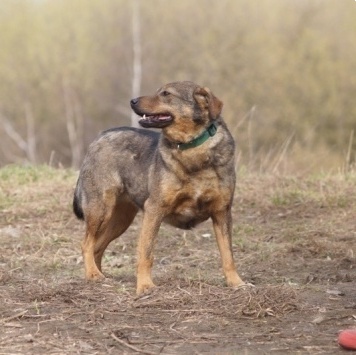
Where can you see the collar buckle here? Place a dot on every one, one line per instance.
(212, 130)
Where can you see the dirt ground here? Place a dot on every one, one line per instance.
(294, 240)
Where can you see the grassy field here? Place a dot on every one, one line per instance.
(294, 239)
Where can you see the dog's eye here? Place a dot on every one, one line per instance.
(165, 93)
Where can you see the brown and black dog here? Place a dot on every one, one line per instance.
(182, 176)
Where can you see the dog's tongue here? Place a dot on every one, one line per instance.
(164, 117)
(157, 117)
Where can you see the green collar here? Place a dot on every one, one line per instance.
(209, 132)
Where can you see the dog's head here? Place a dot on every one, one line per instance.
(178, 108)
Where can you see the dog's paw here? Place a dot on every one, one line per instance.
(234, 281)
(144, 288)
(245, 285)
(94, 276)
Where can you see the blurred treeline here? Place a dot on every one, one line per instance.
(285, 69)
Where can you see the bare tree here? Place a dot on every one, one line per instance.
(137, 63)
(27, 144)
(31, 135)
(74, 123)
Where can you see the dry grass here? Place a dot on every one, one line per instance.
(293, 239)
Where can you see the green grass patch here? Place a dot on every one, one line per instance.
(21, 175)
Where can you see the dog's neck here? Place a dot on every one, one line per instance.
(203, 137)
(196, 141)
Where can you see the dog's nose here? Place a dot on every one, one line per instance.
(133, 102)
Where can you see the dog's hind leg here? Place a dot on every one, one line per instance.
(92, 272)
(105, 223)
(122, 216)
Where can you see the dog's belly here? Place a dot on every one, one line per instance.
(185, 220)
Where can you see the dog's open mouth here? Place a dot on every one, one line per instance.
(158, 121)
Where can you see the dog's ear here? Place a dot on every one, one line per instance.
(206, 100)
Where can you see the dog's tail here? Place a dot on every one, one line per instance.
(77, 206)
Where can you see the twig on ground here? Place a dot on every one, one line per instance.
(132, 347)
(17, 315)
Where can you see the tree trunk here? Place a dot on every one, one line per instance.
(137, 65)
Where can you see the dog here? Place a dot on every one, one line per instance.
(182, 175)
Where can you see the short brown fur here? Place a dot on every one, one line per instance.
(129, 169)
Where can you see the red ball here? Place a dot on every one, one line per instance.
(347, 339)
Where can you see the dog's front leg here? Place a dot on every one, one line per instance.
(222, 223)
(150, 226)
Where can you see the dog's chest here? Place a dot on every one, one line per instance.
(195, 200)
(192, 205)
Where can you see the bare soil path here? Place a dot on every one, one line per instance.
(294, 239)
